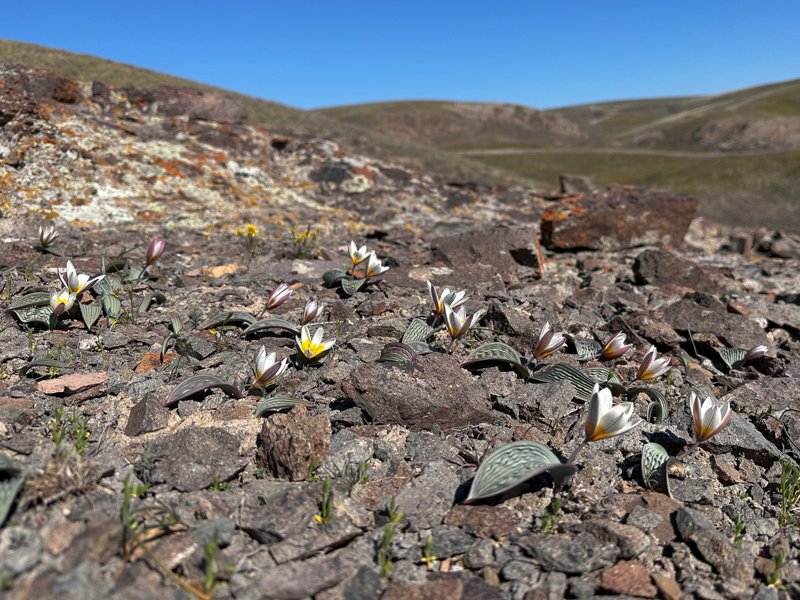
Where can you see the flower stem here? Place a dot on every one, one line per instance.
(575, 452)
(687, 451)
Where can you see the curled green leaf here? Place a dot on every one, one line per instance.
(198, 383)
(271, 324)
(512, 464)
(42, 362)
(279, 403)
(493, 353)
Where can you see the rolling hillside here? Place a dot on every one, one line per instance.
(356, 139)
(739, 152)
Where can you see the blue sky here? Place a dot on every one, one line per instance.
(542, 54)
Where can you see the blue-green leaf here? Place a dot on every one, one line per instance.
(198, 383)
(279, 403)
(496, 352)
(512, 464)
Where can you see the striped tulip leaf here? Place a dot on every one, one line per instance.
(351, 286)
(35, 314)
(493, 353)
(585, 349)
(271, 324)
(90, 313)
(42, 362)
(733, 357)
(561, 371)
(199, 383)
(513, 464)
(655, 461)
(280, 403)
(418, 331)
(333, 275)
(658, 409)
(228, 317)
(112, 306)
(397, 352)
(28, 300)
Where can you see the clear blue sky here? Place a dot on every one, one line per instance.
(542, 54)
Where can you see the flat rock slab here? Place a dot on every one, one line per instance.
(504, 248)
(71, 384)
(617, 218)
(662, 267)
(191, 458)
(702, 313)
(431, 390)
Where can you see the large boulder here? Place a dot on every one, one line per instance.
(617, 218)
(503, 248)
(431, 390)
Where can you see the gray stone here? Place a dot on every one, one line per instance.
(740, 437)
(659, 267)
(388, 328)
(630, 540)
(195, 347)
(366, 584)
(426, 500)
(728, 560)
(582, 554)
(191, 458)
(703, 313)
(688, 520)
(644, 519)
(222, 527)
(480, 555)
(20, 550)
(449, 541)
(279, 513)
(296, 580)
(504, 248)
(519, 568)
(314, 540)
(113, 340)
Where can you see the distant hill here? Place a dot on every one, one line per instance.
(460, 125)
(354, 138)
(739, 152)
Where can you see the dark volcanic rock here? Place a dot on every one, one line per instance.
(191, 458)
(618, 218)
(174, 101)
(431, 390)
(702, 313)
(278, 514)
(580, 555)
(295, 580)
(148, 415)
(504, 248)
(660, 267)
(289, 442)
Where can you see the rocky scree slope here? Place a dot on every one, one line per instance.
(306, 501)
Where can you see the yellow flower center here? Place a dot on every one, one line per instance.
(310, 349)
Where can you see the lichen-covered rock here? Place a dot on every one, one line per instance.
(289, 442)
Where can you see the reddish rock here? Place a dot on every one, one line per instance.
(195, 104)
(152, 360)
(617, 218)
(445, 589)
(504, 248)
(289, 442)
(71, 384)
(630, 578)
(432, 389)
(147, 416)
(482, 521)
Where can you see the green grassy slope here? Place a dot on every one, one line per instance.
(273, 114)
